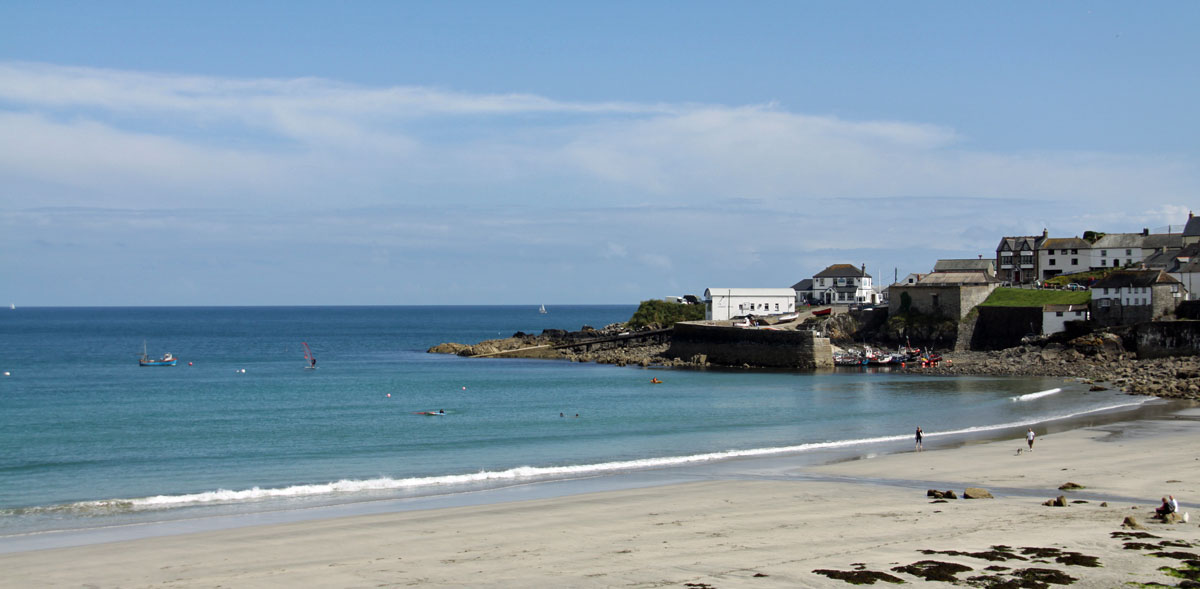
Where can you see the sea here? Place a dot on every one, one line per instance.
(240, 427)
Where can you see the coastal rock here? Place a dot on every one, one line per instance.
(1132, 523)
(1069, 486)
(976, 493)
(449, 348)
(1173, 518)
(1059, 501)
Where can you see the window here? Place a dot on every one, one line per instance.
(1105, 302)
(1129, 252)
(1064, 252)
(1074, 261)
(1052, 262)
(1116, 263)
(1106, 291)
(1103, 253)
(1058, 313)
(841, 282)
(1074, 252)
(776, 306)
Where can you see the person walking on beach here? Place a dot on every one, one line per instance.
(919, 447)
(1029, 438)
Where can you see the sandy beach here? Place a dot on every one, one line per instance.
(868, 515)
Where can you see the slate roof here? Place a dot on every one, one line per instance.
(1192, 229)
(1161, 260)
(842, 271)
(1020, 243)
(1134, 278)
(967, 264)
(1120, 241)
(805, 284)
(1163, 240)
(1065, 243)
(957, 279)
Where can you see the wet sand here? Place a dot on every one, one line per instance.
(869, 514)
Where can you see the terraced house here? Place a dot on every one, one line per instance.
(1125, 297)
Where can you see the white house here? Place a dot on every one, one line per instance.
(1055, 317)
(721, 304)
(844, 284)
(1063, 255)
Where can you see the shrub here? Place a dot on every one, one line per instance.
(664, 314)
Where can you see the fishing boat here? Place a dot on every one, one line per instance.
(310, 361)
(146, 360)
(542, 309)
(825, 311)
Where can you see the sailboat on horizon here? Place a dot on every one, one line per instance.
(542, 309)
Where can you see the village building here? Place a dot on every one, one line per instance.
(1016, 258)
(1125, 297)
(843, 284)
(946, 294)
(1063, 255)
(1129, 250)
(1055, 317)
(721, 304)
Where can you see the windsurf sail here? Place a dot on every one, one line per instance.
(308, 356)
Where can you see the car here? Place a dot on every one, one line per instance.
(1076, 286)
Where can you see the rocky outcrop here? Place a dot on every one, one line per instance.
(1093, 358)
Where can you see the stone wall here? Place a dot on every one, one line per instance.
(1003, 327)
(732, 346)
(1161, 339)
(951, 301)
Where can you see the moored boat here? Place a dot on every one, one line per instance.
(146, 360)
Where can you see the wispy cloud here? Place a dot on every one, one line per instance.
(500, 187)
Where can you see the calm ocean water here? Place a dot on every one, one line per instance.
(88, 438)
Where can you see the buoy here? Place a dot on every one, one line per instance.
(389, 395)
(189, 363)
(6, 373)
(464, 388)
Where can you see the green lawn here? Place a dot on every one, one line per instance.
(1025, 297)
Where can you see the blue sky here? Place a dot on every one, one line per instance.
(264, 153)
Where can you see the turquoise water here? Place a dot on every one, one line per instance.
(89, 438)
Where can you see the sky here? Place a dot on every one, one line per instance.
(163, 153)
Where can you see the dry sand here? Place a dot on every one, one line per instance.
(721, 533)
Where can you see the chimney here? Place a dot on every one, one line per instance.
(1145, 231)
(1045, 233)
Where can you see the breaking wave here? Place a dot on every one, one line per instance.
(517, 474)
(1037, 395)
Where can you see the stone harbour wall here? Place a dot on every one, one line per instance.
(732, 346)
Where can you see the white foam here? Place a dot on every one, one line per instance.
(520, 473)
(1037, 395)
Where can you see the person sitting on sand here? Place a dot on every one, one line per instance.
(1168, 506)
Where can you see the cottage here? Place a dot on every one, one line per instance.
(1063, 255)
(1125, 297)
(1055, 317)
(1126, 250)
(722, 304)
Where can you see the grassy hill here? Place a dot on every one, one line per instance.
(1025, 297)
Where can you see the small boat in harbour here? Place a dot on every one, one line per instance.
(146, 360)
